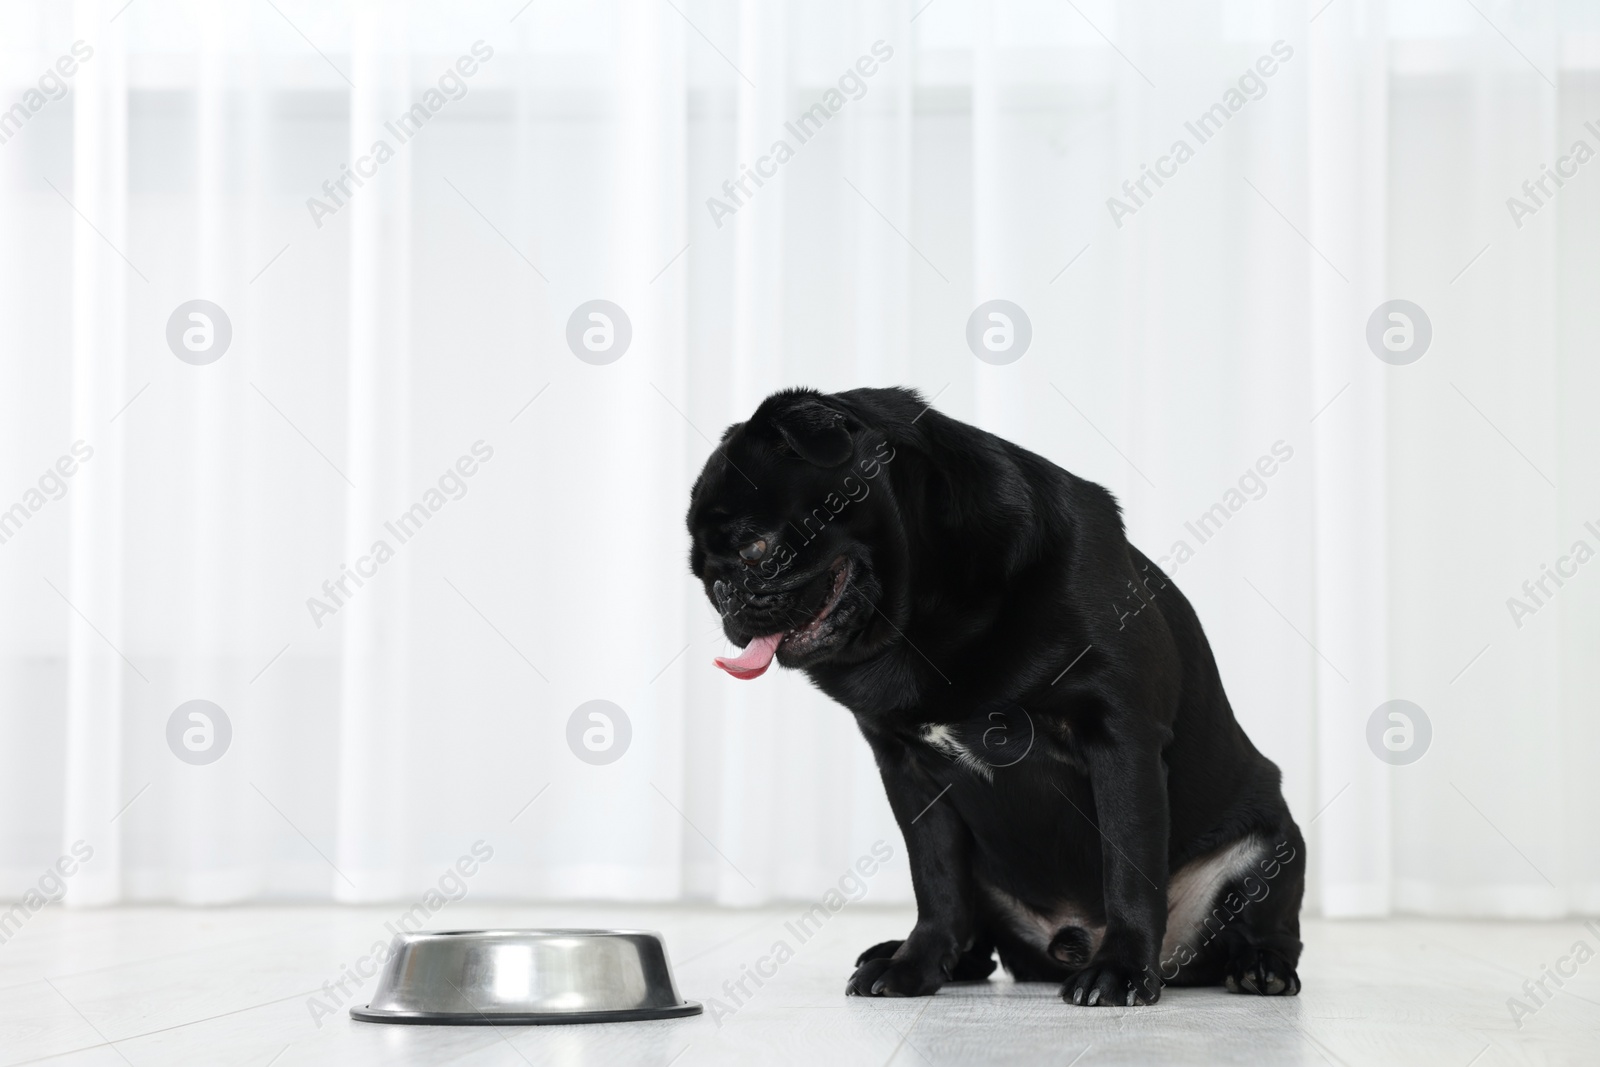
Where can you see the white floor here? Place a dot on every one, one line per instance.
(232, 986)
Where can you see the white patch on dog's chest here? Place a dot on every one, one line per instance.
(937, 735)
(942, 739)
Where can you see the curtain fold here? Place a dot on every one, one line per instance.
(98, 676)
(377, 760)
(1345, 412)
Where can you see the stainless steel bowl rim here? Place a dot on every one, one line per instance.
(525, 976)
(552, 1018)
(542, 931)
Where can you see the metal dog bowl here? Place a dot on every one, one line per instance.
(525, 977)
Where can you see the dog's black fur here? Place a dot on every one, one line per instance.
(1042, 703)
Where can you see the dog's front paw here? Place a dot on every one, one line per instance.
(884, 977)
(1107, 982)
(1260, 971)
(881, 951)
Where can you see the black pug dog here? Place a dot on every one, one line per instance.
(1046, 713)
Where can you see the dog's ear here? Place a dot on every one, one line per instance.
(816, 432)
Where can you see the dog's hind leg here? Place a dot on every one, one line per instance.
(1262, 950)
(1240, 927)
(1259, 951)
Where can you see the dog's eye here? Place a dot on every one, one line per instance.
(753, 552)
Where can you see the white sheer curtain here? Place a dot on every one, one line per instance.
(420, 320)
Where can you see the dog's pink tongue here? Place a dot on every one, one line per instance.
(754, 660)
